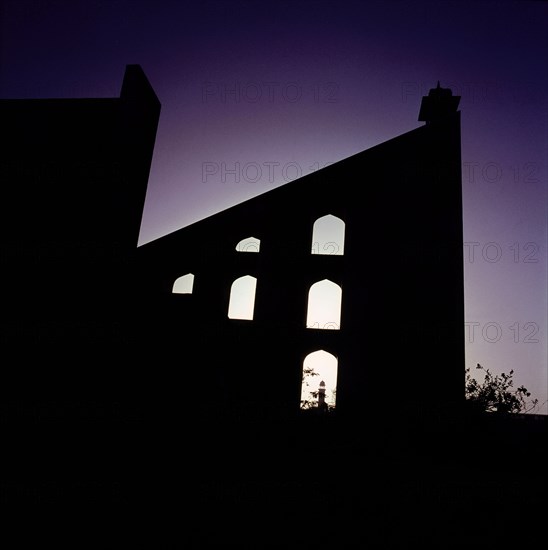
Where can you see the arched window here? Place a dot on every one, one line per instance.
(324, 305)
(319, 381)
(184, 284)
(242, 298)
(328, 236)
(251, 244)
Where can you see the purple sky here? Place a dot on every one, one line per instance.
(287, 87)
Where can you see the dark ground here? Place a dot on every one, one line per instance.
(120, 480)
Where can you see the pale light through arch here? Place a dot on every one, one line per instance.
(242, 298)
(250, 244)
(325, 366)
(184, 284)
(324, 305)
(328, 236)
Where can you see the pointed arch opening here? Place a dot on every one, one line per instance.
(319, 381)
(328, 236)
(184, 284)
(249, 244)
(242, 298)
(324, 306)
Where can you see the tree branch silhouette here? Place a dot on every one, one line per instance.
(496, 393)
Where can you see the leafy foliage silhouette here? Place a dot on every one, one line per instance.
(496, 393)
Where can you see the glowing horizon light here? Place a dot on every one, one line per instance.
(242, 298)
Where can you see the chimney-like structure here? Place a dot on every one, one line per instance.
(321, 396)
(439, 103)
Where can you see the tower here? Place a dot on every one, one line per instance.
(321, 397)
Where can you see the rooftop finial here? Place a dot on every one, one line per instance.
(439, 103)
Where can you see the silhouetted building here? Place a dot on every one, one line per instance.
(74, 175)
(395, 265)
(76, 171)
(140, 379)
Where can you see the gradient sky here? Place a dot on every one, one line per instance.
(255, 94)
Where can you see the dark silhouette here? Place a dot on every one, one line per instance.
(401, 277)
(496, 393)
(123, 395)
(74, 178)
